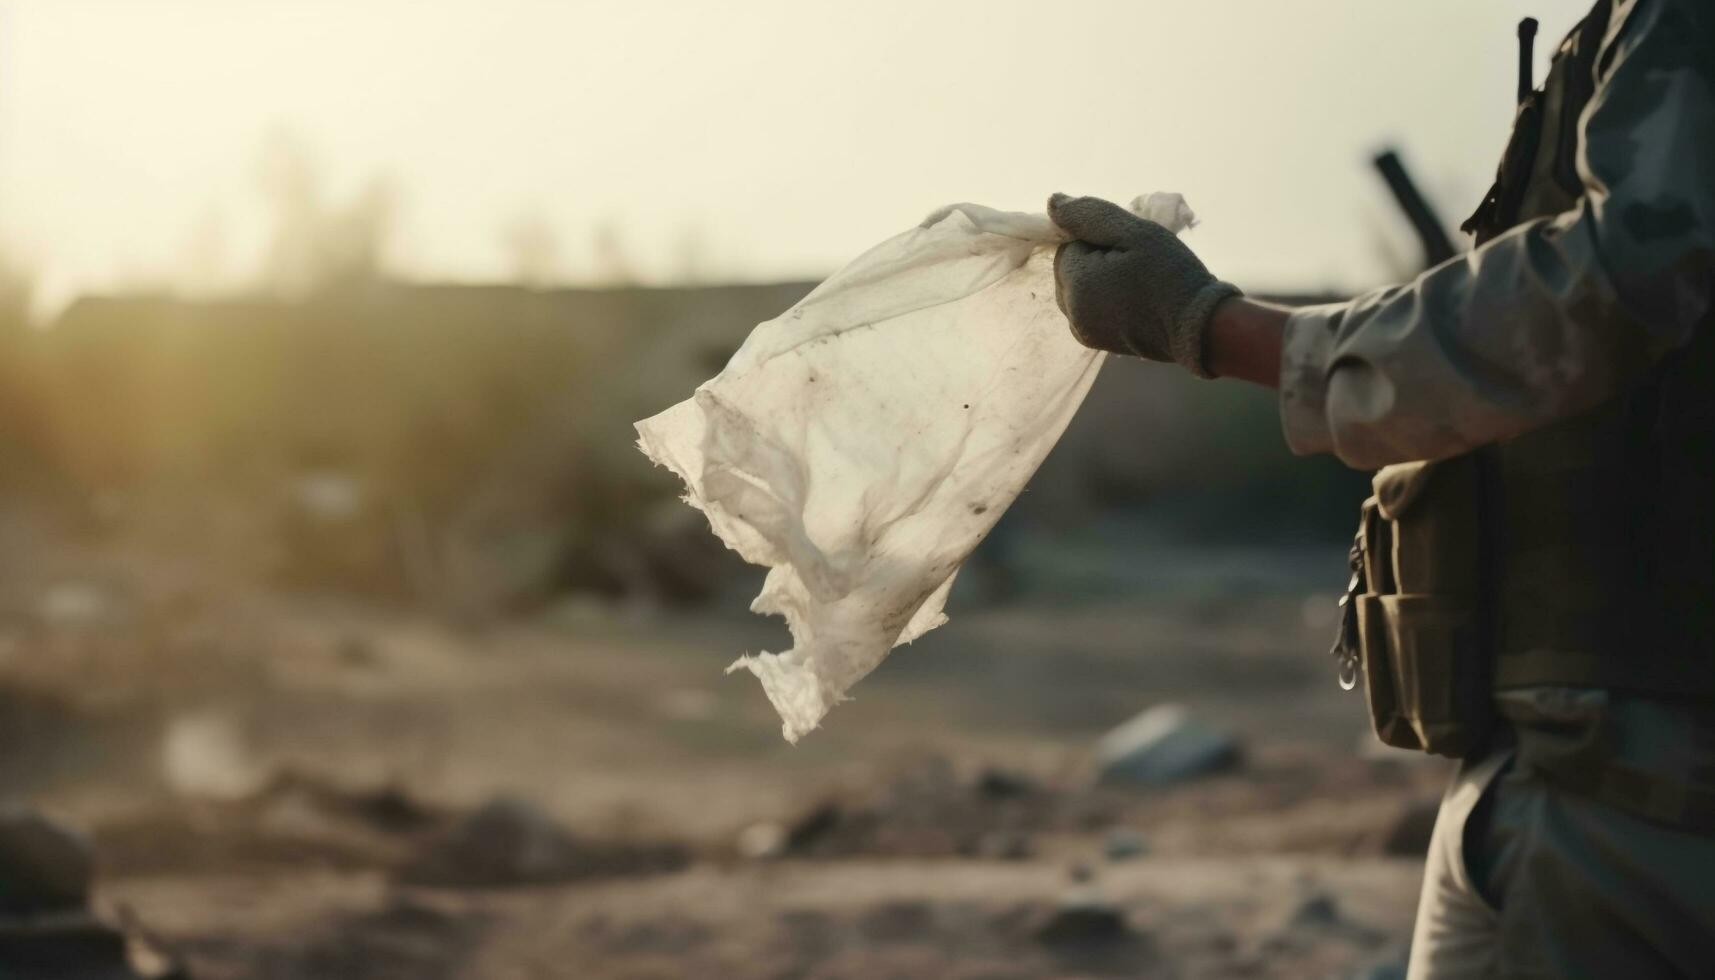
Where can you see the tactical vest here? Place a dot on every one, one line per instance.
(1581, 554)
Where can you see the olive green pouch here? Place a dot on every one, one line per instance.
(1426, 667)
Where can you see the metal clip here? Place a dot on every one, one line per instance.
(1345, 648)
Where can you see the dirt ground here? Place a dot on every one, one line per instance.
(298, 786)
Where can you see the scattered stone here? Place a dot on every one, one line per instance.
(207, 754)
(1123, 844)
(1317, 911)
(77, 944)
(296, 817)
(1318, 918)
(388, 808)
(1164, 744)
(65, 945)
(44, 866)
(1081, 921)
(928, 810)
(1000, 784)
(762, 841)
(812, 826)
(503, 842)
(147, 954)
(510, 842)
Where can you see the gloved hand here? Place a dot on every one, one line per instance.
(1131, 286)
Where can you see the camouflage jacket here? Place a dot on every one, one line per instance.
(1556, 315)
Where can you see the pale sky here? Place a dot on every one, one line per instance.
(770, 138)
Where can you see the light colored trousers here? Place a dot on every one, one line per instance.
(1540, 882)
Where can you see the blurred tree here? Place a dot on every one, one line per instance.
(316, 245)
(206, 256)
(21, 415)
(612, 265)
(533, 250)
(692, 255)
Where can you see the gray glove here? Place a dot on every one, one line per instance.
(1131, 286)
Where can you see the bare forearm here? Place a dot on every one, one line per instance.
(1243, 341)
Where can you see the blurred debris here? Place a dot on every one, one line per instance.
(387, 808)
(77, 946)
(511, 842)
(761, 841)
(208, 754)
(1164, 744)
(929, 810)
(293, 819)
(47, 873)
(1082, 919)
(44, 866)
(808, 830)
(1317, 919)
(1316, 912)
(1123, 844)
(333, 530)
(148, 955)
(1002, 784)
(503, 842)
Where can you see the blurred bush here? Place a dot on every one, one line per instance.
(471, 446)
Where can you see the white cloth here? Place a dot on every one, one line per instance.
(863, 443)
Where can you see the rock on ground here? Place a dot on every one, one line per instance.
(1164, 744)
(44, 866)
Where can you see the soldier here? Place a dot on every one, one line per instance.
(1534, 581)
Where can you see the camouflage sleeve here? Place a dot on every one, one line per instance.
(1554, 316)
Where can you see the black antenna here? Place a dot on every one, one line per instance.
(1437, 247)
(1526, 57)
